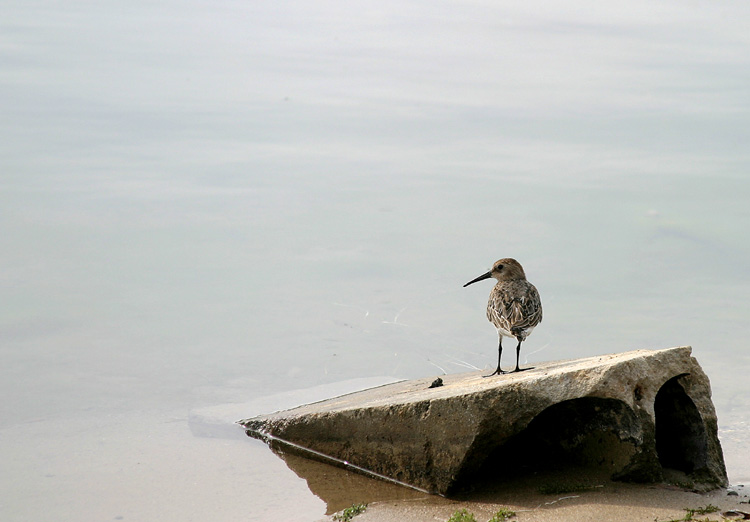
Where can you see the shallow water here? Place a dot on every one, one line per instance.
(216, 204)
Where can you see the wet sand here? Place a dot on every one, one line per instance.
(608, 502)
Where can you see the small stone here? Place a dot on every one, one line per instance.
(437, 383)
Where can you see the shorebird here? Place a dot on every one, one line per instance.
(514, 306)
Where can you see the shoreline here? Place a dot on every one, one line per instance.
(609, 501)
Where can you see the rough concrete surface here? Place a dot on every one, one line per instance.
(640, 416)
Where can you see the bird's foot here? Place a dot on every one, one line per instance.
(496, 372)
(522, 369)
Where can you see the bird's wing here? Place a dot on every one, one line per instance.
(531, 308)
(496, 313)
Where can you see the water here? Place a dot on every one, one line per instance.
(206, 207)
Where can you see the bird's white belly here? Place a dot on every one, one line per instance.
(505, 333)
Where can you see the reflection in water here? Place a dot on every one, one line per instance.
(340, 488)
(284, 446)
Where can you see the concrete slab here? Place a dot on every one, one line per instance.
(644, 415)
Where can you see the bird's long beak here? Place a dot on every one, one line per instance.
(480, 278)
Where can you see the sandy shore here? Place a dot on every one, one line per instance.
(609, 501)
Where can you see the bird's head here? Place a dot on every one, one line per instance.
(506, 269)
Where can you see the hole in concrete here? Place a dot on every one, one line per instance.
(681, 440)
(590, 432)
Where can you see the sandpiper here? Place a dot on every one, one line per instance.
(514, 306)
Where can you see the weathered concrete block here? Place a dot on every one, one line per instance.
(635, 414)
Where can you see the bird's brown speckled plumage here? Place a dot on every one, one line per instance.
(514, 306)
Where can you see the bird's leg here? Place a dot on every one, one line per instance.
(499, 356)
(518, 354)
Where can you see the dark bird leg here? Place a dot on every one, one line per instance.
(518, 354)
(499, 355)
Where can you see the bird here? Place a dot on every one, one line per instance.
(514, 307)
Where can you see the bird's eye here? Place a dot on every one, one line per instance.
(499, 267)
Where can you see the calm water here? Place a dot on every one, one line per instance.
(207, 207)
